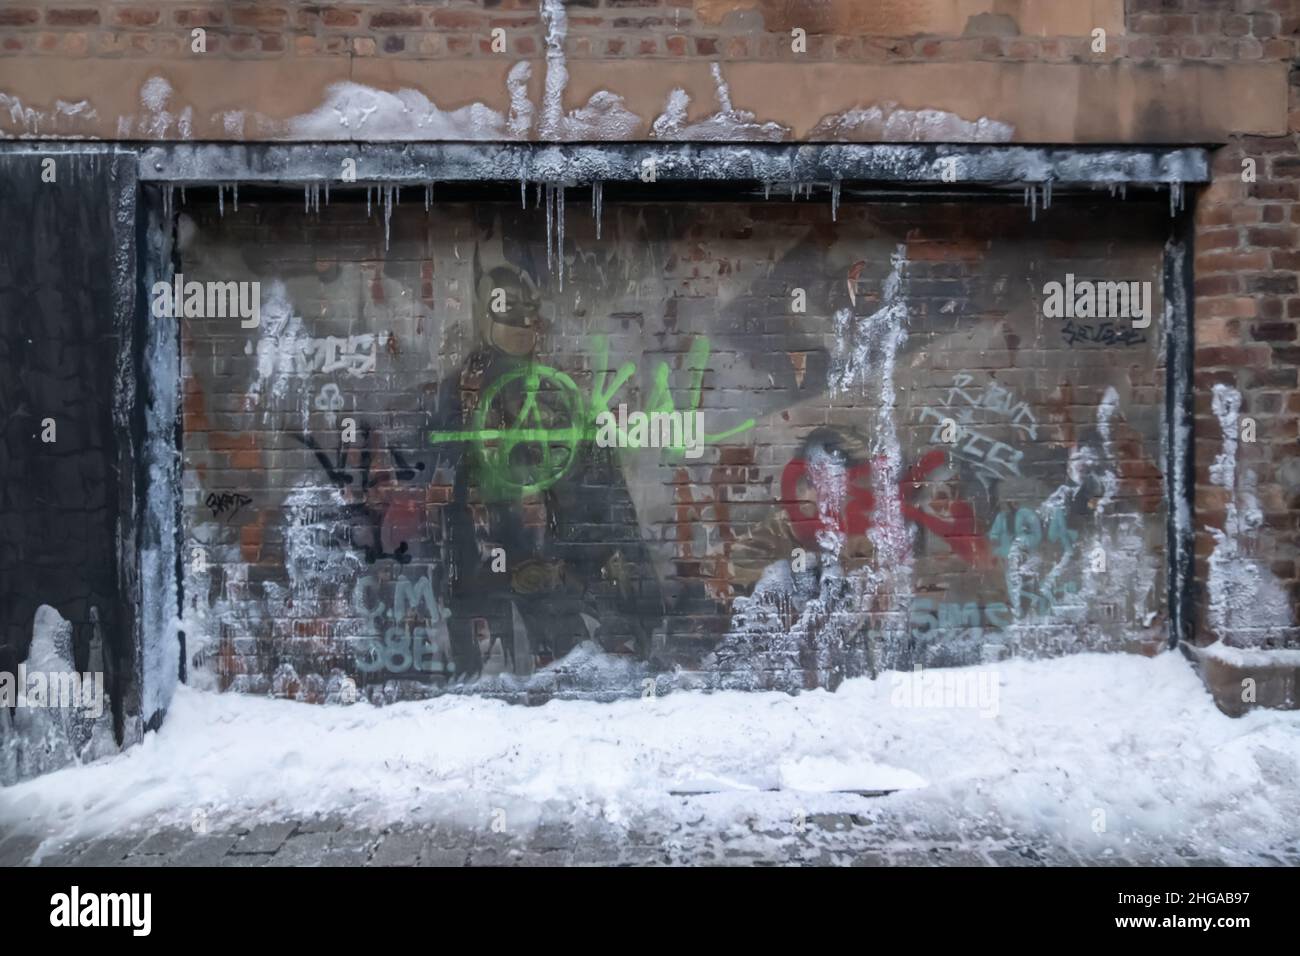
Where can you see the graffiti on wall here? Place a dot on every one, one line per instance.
(662, 466)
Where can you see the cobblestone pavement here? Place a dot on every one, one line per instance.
(837, 839)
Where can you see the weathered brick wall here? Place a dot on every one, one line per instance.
(1171, 71)
(1216, 72)
(374, 559)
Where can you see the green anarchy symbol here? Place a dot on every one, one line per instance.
(540, 445)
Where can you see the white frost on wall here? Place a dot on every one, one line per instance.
(725, 125)
(354, 111)
(888, 123)
(38, 739)
(1245, 599)
(796, 620)
(520, 120)
(557, 71)
(64, 118)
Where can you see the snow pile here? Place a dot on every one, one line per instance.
(1137, 739)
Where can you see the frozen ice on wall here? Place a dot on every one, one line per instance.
(37, 738)
(891, 124)
(727, 124)
(794, 622)
(557, 71)
(64, 119)
(1246, 602)
(354, 111)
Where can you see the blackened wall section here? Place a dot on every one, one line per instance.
(59, 349)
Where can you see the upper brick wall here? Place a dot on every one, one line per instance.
(1171, 70)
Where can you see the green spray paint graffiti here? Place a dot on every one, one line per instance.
(547, 418)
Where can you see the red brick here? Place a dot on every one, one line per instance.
(71, 16)
(19, 17)
(260, 16)
(396, 20)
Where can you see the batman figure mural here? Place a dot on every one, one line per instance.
(532, 495)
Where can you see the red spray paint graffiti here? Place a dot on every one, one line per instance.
(957, 529)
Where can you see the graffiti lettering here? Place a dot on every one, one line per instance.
(226, 501)
(422, 647)
(384, 521)
(356, 355)
(1027, 528)
(992, 458)
(553, 418)
(1103, 333)
(995, 397)
(958, 529)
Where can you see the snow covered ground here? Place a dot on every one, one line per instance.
(1091, 752)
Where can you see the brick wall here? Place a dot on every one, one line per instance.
(374, 558)
(1217, 72)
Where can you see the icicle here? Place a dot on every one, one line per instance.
(523, 193)
(1175, 198)
(367, 202)
(1031, 200)
(538, 200)
(794, 186)
(306, 197)
(167, 199)
(597, 201)
(327, 192)
(835, 200)
(1123, 190)
(221, 202)
(388, 212)
(182, 195)
(559, 230)
(767, 189)
(550, 222)
(428, 195)
(1047, 194)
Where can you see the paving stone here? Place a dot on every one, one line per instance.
(434, 855)
(552, 836)
(321, 824)
(204, 850)
(109, 852)
(399, 848)
(263, 838)
(17, 849)
(304, 849)
(832, 821)
(543, 858)
(165, 841)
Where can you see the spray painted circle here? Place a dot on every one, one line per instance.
(538, 446)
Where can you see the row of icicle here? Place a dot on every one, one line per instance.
(552, 196)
